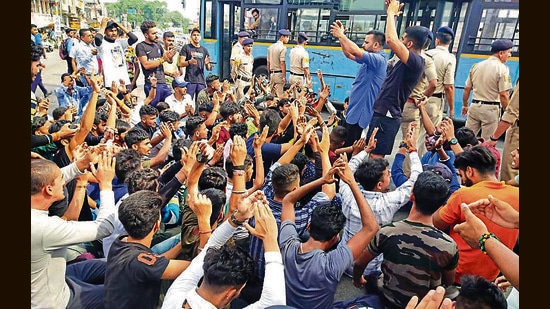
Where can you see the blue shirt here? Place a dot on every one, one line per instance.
(65, 99)
(365, 87)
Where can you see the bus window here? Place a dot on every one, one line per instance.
(264, 25)
(459, 27)
(262, 1)
(362, 5)
(495, 24)
(307, 20)
(208, 21)
(359, 25)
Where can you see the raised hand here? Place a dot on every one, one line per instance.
(237, 151)
(497, 211)
(259, 140)
(105, 171)
(200, 204)
(432, 300)
(324, 144)
(266, 226)
(471, 229)
(358, 145)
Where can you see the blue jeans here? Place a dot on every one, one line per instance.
(85, 280)
(163, 91)
(193, 89)
(167, 244)
(387, 130)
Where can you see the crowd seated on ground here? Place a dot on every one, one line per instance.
(259, 199)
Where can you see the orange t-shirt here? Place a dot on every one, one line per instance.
(473, 261)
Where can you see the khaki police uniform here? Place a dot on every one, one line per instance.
(243, 70)
(511, 141)
(299, 60)
(445, 67)
(276, 53)
(236, 50)
(487, 78)
(410, 110)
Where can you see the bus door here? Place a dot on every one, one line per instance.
(229, 21)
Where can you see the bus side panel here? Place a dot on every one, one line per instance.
(465, 62)
(211, 46)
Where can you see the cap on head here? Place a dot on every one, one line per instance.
(303, 35)
(244, 34)
(111, 24)
(248, 41)
(445, 29)
(501, 44)
(284, 32)
(440, 169)
(179, 82)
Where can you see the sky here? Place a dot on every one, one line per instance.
(192, 7)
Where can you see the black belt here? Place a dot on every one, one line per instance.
(438, 95)
(486, 102)
(273, 72)
(297, 74)
(243, 78)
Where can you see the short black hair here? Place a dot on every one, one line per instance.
(378, 36)
(229, 265)
(478, 157)
(478, 292)
(58, 112)
(210, 78)
(369, 172)
(326, 222)
(213, 177)
(430, 192)
(139, 212)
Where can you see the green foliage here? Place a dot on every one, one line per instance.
(146, 10)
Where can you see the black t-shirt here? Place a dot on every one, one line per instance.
(133, 276)
(153, 52)
(194, 73)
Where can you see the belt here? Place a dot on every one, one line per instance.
(485, 102)
(438, 95)
(273, 72)
(291, 73)
(246, 79)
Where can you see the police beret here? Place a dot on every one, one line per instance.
(284, 32)
(243, 34)
(445, 29)
(303, 35)
(430, 34)
(501, 44)
(247, 41)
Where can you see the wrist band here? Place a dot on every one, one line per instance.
(238, 173)
(238, 167)
(444, 160)
(492, 138)
(234, 220)
(238, 192)
(205, 232)
(484, 238)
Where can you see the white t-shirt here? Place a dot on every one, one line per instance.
(113, 61)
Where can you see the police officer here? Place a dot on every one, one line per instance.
(509, 123)
(244, 64)
(236, 50)
(445, 66)
(490, 81)
(276, 62)
(299, 63)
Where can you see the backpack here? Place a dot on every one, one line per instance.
(63, 51)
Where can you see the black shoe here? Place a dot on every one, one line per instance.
(47, 94)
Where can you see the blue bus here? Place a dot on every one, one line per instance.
(476, 24)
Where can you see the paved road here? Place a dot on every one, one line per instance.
(51, 76)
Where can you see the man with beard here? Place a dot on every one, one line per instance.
(152, 56)
(476, 167)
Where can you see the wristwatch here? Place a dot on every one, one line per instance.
(453, 141)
